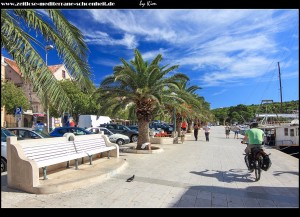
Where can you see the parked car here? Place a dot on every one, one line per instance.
(133, 127)
(117, 138)
(118, 128)
(152, 132)
(161, 126)
(4, 134)
(28, 133)
(60, 131)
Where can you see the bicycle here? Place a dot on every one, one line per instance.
(257, 160)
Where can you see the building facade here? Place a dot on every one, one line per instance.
(3, 65)
(11, 72)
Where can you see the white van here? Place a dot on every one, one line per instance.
(86, 121)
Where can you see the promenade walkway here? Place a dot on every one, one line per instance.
(194, 174)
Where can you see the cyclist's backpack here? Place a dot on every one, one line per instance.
(266, 163)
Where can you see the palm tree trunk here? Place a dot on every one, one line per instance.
(189, 127)
(178, 127)
(143, 133)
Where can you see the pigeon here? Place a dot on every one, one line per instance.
(130, 179)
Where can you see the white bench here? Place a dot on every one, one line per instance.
(25, 157)
(48, 153)
(91, 147)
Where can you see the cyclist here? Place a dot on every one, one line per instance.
(254, 137)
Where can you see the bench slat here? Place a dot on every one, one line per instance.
(95, 151)
(53, 153)
(58, 160)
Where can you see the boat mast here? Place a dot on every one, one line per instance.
(280, 88)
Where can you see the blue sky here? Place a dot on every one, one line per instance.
(231, 54)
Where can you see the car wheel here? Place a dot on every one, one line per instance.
(120, 142)
(3, 165)
(134, 138)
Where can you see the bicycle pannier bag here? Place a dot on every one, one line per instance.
(266, 163)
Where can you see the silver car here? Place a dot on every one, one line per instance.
(117, 138)
(4, 134)
(28, 133)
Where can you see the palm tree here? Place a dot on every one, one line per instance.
(68, 40)
(191, 106)
(141, 85)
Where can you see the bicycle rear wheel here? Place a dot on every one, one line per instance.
(257, 170)
(247, 162)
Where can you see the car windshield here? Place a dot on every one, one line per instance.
(5, 133)
(127, 128)
(107, 132)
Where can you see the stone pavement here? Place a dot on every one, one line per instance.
(193, 174)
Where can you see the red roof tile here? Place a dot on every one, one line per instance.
(54, 68)
(14, 66)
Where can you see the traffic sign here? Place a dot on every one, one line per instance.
(18, 110)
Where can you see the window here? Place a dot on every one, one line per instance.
(286, 131)
(110, 127)
(63, 74)
(292, 132)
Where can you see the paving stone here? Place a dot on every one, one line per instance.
(193, 174)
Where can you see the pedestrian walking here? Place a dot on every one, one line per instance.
(71, 122)
(196, 128)
(227, 131)
(236, 130)
(206, 129)
(183, 126)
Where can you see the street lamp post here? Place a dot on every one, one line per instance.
(174, 121)
(47, 48)
(175, 141)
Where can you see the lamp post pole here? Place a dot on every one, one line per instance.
(175, 141)
(47, 48)
(174, 122)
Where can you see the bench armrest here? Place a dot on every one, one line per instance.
(109, 144)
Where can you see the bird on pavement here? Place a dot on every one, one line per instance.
(130, 179)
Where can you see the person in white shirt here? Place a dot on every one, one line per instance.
(206, 129)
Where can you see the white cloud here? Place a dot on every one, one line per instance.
(150, 55)
(289, 75)
(219, 93)
(102, 38)
(218, 46)
(106, 62)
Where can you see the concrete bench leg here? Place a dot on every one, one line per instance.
(90, 158)
(108, 154)
(76, 164)
(45, 173)
(68, 164)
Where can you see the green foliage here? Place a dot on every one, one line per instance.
(140, 84)
(140, 87)
(81, 102)
(56, 30)
(242, 113)
(12, 97)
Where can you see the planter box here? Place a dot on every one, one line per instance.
(161, 140)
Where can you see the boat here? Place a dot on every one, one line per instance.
(279, 134)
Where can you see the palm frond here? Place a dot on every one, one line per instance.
(76, 63)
